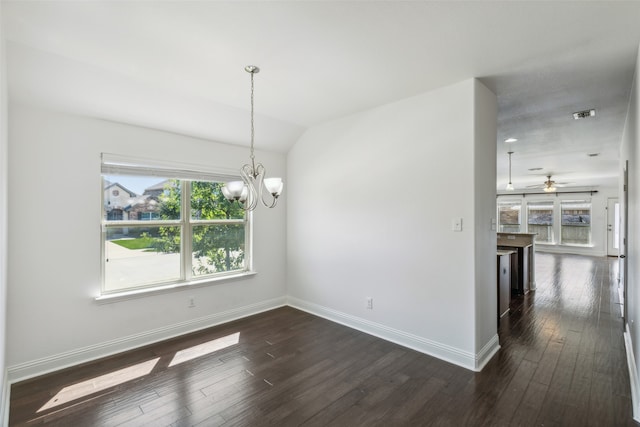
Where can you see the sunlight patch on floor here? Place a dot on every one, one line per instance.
(94, 385)
(205, 348)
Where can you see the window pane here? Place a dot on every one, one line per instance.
(509, 216)
(540, 220)
(576, 221)
(133, 198)
(208, 202)
(218, 248)
(141, 256)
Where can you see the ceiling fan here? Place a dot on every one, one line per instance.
(549, 185)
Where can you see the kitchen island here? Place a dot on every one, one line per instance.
(522, 262)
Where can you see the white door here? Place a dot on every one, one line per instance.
(613, 227)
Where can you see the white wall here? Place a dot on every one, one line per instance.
(484, 194)
(4, 390)
(598, 199)
(629, 152)
(371, 201)
(54, 243)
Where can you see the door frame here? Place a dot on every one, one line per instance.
(613, 227)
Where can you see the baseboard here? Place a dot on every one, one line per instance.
(633, 375)
(573, 250)
(441, 351)
(487, 352)
(6, 399)
(56, 362)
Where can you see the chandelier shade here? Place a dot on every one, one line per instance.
(254, 186)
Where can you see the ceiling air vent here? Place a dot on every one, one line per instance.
(584, 114)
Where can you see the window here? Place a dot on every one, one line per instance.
(148, 216)
(540, 220)
(168, 227)
(576, 222)
(509, 216)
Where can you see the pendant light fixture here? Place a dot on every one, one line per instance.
(254, 184)
(509, 185)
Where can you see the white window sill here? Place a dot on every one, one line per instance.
(138, 293)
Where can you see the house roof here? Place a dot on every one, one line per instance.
(122, 187)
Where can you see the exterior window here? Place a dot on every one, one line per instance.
(576, 222)
(163, 230)
(148, 216)
(509, 216)
(540, 220)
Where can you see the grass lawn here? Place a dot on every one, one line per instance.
(139, 243)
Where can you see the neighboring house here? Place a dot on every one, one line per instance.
(159, 188)
(116, 199)
(122, 204)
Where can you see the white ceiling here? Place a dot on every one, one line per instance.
(178, 66)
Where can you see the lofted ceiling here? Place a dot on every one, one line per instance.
(179, 66)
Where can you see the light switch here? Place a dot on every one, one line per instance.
(456, 224)
(493, 224)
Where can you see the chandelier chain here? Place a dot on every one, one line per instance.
(252, 127)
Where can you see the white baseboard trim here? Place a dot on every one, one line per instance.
(633, 375)
(574, 250)
(56, 362)
(487, 352)
(6, 399)
(445, 352)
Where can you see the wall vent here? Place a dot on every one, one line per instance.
(584, 114)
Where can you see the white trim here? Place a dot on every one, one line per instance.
(633, 375)
(487, 352)
(56, 362)
(459, 357)
(568, 249)
(180, 286)
(6, 399)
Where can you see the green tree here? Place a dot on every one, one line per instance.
(218, 247)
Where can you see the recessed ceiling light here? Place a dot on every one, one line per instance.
(535, 169)
(511, 140)
(584, 114)
(593, 154)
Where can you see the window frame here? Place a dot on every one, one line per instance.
(552, 204)
(507, 202)
(186, 174)
(562, 224)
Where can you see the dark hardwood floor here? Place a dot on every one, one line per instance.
(562, 363)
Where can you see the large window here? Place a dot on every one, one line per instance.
(540, 220)
(576, 222)
(509, 216)
(163, 227)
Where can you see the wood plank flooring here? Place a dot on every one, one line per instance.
(562, 363)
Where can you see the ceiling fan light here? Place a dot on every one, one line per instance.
(549, 189)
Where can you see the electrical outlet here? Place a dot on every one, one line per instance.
(369, 303)
(192, 302)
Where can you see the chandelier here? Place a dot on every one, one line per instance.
(254, 185)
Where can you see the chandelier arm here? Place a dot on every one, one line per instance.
(249, 181)
(259, 173)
